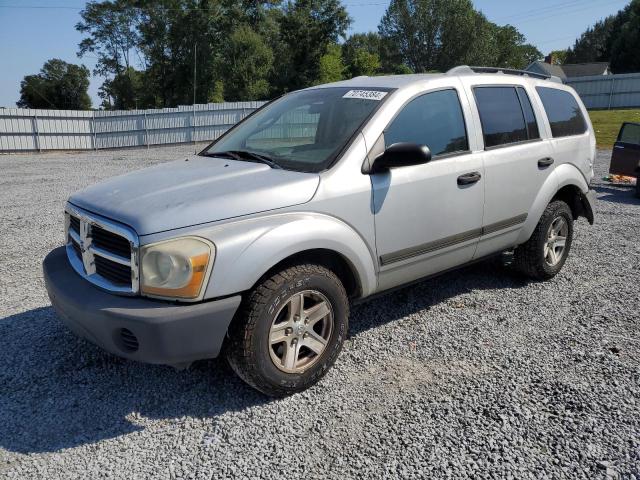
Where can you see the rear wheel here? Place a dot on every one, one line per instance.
(544, 254)
(292, 330)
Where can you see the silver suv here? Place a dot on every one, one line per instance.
(256, 246)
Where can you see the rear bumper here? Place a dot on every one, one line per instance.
(166, 333)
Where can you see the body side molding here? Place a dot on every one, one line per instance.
(450, 241)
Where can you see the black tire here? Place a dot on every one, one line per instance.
(529, 258)
(249, 351)
(638, 186)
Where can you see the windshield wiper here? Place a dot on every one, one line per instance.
(246, 155)
(231, 155)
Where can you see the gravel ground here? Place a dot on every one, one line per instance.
(477, 373)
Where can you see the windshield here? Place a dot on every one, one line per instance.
(301, 131)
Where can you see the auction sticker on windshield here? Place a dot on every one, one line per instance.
(365, 94)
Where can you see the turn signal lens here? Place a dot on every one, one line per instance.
(175, 268)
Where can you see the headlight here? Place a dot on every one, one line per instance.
(175, 268)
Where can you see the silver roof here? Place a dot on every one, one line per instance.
(399, 81)
(384, 81)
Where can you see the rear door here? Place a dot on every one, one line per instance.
(625, 159)
(517, 162)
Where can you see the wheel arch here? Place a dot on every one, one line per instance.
(246, 257)
(330, 259)
(573, 196)
(566, 183)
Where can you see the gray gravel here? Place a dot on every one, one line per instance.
(474, 374)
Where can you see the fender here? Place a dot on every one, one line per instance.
(563, 175)
(246, 250)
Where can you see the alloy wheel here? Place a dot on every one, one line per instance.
(556, 241)
(300, 331)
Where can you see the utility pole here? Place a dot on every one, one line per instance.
(195, 65)
(195, 77)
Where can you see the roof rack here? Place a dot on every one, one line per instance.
(505, 71)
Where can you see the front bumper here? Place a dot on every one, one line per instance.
(165, 333)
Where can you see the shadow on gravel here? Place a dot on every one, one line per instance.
(622, 194)
(59, 391)
(486, 275)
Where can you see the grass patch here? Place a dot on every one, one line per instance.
(607, 124)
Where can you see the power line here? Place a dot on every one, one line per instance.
(572, 11)
(553, 7)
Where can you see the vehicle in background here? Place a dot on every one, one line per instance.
(625, 159)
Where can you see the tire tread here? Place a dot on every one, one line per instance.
(527, 258)
(239, 352)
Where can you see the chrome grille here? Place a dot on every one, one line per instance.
(102, 251)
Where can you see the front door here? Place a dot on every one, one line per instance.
(428, 217)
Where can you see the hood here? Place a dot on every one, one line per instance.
(194, 191)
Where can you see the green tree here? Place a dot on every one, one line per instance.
(511, 51)
(217, 94)
(615, 39)
(428, 35)
(625, 41)
(331, 68)
(181, 39)
(59, 85)
(593, 44)
(559, 57)
(246, 66)
(307, 28)
(178, 35)
(125, 91)
(361, 54)
(111, 29)
(172, 42)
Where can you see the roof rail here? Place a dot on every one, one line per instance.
(506, 71)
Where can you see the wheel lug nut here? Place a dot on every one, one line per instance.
(305, 335)
(288, 331)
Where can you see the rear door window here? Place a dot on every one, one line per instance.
(435, 120)
(501, 115)
(630, 134)
(563, 111)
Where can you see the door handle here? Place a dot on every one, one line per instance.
(469, 178)
(545, 162)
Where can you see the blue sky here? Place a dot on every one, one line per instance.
(30, 36)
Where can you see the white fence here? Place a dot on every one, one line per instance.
(37, 130)
(608, 91)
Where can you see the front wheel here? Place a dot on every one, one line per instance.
(291, 331)
(544, 254)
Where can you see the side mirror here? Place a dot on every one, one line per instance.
(401, 155)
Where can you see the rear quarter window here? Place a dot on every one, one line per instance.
(563, 112)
